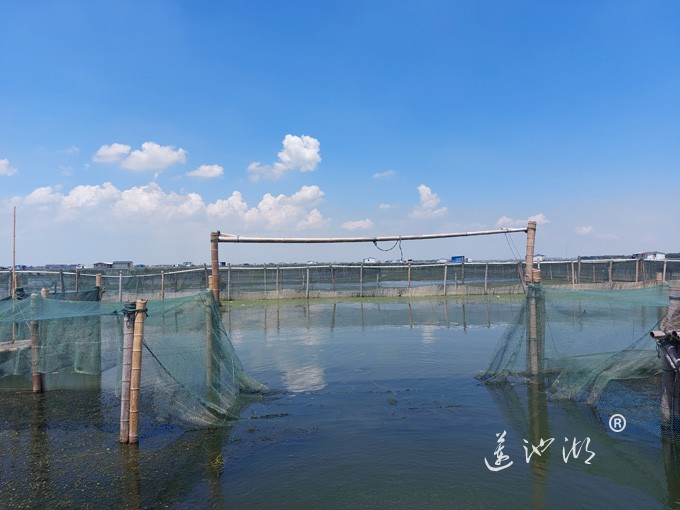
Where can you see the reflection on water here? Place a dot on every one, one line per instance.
(380, 410)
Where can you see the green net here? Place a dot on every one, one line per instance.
(591, 347)
(191, 374)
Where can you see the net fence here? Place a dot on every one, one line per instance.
(346, 280)
(191, 373)
(588, 346)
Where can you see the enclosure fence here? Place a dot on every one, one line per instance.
(269, 281)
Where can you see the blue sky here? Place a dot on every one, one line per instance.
(130, 130)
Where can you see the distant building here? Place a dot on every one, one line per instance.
(539, 258)
(122, 264)
(102, 265)
(650, 255)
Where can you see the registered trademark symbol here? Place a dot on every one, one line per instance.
(617, 423)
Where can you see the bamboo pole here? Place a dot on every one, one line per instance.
(14, 252)
(77, 280)
(611, 271)
(233, 238)
(307, 284)
(35, 349)
(136, 369)
(120, 286)
(361, 280)
(229, 282)
(128, 332)
(446, 270)
(215, 263)
(409, 275)
(486, 278)
(531, 242)
(98, 284)
(162, 284)
(61, 278)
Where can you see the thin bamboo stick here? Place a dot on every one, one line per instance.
(35, 349)
(215, 263)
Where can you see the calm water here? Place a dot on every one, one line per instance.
(379, 409)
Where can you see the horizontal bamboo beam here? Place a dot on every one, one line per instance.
(14, 346)
(233, 238)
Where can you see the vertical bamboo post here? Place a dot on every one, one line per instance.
(61, 278)
(264, 277)
(228, 282)
(13, 285)
(446, 270)
(128, 332)
(409, 275)
(307, 284)
(136, 369)
(611, 271)
(531, 242)
(162, 284)
(278, 288)
(579, 278)
(462, 271)
(215, 263)
(333, 275)
(573, 275)
(486, 278)
(208, 348)
(664, 270)
(98, 284)
(35, 349)
(77, 280)
(361, 280)
(637, 270)
(120, 286)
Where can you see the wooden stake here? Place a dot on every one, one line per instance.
(128, 331)
(215, 261)
(136, 369)
(162, 284)
(35, 349)
(531, 241)
(98, 284)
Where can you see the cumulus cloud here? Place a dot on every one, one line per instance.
(386, 206)
(507, 222)
(105, 203)
(584, 231)
(357, 225)
(298, 153)
(151, 156)
(111, 153)
(42, 196)
(152, 200)
(384, 175)
(427, 208)
(207, 172)
(276, 212)
(5, 169)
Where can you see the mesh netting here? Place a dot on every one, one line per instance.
(588, 346)
(190, 371)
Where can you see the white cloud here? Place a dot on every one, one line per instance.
(70, 150)
(150, 157)
(384, 175)
(299, 153)
(357, 225)
(584, 231)
(42, 196)
(207, 172)
(153, 157)
(275, 212)
(152, 200)
(507, 222)
(85, 196)
(111, 153)
(5, 169)
(428, 205)
(386, 206)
